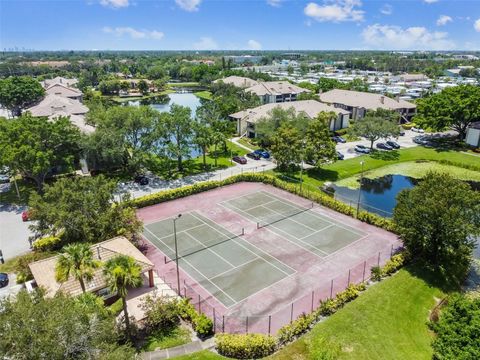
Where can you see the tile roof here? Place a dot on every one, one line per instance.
(365, 100)
(56, 104)
(238, 81)
(44, 270)
(275, 88)
(62, 90)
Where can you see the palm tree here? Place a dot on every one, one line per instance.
(122, 272)
(76, 260)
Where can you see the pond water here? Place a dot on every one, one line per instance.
(379, 195)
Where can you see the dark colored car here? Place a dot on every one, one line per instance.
(254, 156)
(383, 146)
(240, 160)
(393, 144)
(362, 149)
(339, 139)
(141, 179)
(3, 280)
(263, 153)
(402, 132)
(340, 156)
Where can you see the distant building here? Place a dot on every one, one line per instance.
(413, 77)
(276, 91)
(247, 119)
(64, 91)
(244, 59)
(238, 81)
(357, 103)
(58, 80)
(473, 134)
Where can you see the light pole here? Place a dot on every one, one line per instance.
(301, 165)
(360, 189)
(176, 251)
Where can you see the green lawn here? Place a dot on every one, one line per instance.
(207, 95)
(201, 355)
(121, 99)
(183, 84)
(164, 340)
(248, 143)
(347, 168)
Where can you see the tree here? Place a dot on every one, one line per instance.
(122, 272)
(287, 146)
(373, 128)
(202, 137)
(456, 108)
(437, 221)
(76, 260)
(319, 147)
(83, 210)
(35, 147)
(18, 92)
(143, 87)
(179, 126)
(58, 328)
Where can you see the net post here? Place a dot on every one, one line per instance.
(331, 290)
(291, 314)
(391, 251)
(214, 320)
(258, 225)
(223, 323)
(348, 281)
(378, 261)
(165, 259)
(246, 326)
(185, 292)
(243, 231)
(364, 268)
(313, 296)
(269, 324)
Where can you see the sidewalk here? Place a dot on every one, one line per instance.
(179, 350)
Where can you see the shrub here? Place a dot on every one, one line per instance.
(327, 307)
(202, 325)
(392, 265)
(47, 243)
(249, 346)
(160, 313)
(289, 332)
(376, 273)
(186, 310)
(408, 126)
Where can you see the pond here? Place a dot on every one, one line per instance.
(379, 195)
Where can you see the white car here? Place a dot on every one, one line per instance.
(417, 130)
(4, 179)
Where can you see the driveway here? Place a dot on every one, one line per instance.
(14, 232)
(12, 288)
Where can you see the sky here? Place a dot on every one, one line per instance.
(240, 24)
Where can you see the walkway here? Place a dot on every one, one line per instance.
(235, 141)
(179, 350)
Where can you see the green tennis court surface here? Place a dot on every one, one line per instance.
(228, 267)
(307, 229)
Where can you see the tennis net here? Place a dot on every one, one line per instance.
(275, 218)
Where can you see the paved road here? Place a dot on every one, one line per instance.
(14, 232)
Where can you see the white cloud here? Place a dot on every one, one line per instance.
(335, 10)
(430, 1)
(476, 26)
(274, 3)
(254, 45)
(134, 33)
(115, 3)
(413, 38)
(443, 20)
(188, 5)
(387, 9)
(205, 43)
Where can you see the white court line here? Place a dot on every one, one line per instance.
(320, 216)
(290, 218)
(209, 249)
(236, 267)
(181, 231)
(273, 232)
(316, 232)
(235, 240)
(206, 278)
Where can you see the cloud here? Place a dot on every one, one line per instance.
(205, 43)
(188, 5)
(443, 20)
(274, 3)
(335, 11)
(133, 33)
(476, 25)
(115, 3)
(413, 38)
(387, 9)
(430, 1)
(254, 45)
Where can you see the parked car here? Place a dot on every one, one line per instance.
(240, 160)
(254, 156)
(417, 130)
(141, 180)
(362, 149)
(26, 215)
(4, 179)
(339, 139)
(263, 153)
(3, 280)
(393, 144)
(420, 140)
(340, 156)
(402, 132)
(383, 146)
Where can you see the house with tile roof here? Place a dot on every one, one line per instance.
(276, 91)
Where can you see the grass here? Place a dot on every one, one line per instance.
(164, 340)
(207, 95)
(347, 168)
(248, 143)
(201, 355)
(413, 169)
(117, 307)
(183, 84)
(121, 99)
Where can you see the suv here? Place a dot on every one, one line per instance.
(3, 280)
(384, 146)
(253, 156)
(263, 153)
(362, 149)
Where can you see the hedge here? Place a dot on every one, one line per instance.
(390, 267)
(318, 197)
(47, 243)
(200, 322)
(249, 346)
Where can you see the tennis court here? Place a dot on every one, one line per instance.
(313, 232)
(221, 261)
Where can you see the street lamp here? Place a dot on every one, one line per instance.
(360, 188)
(176, 250)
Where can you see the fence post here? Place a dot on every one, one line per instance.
(291, 314)
(199, 305)
(313, 295)
(269, 323)
(364, 268)
(185, 292)
(214, 320)
(378, 261)
(223, 323)
(331, 290)
(246, 326)
(348, 281)
(391, 251)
